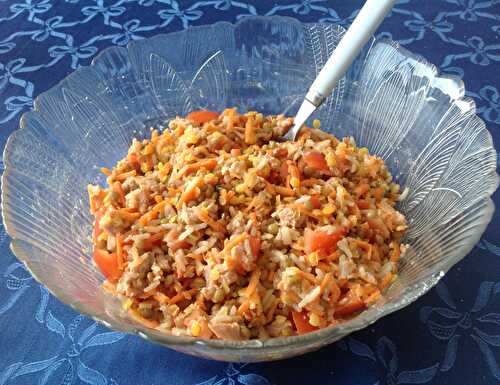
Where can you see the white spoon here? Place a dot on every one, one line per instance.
(360, 31)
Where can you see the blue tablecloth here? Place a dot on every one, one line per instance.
(451, 336)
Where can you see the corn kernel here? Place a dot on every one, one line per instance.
(190, 158)
(238, 200)
(314, 320)
(126, 304)
(192, 138)
(331, 161)
(102, 237)
(160, 166)
(214, 274)
(363, 151)
(313, 259)
(329, 209)
(210, 179)
(241, 188)
(295, 182)
(341, 146)
(195, 329)
(316, 123)
(148, 149)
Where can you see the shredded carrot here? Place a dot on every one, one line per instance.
(251, 205)
(255, 300)
(208, 164)
(378, 193)
(325, 282)
(311, 182)
(153, 240)
(294, 174)
(334, 257)
(229, 113)
(128, 216)
(182, 295)
(373, 297)
(335, 293)
(270, 312)
(252, 284)
(165, 171)
(310, 277)
(191, 192)
(106, 171)
(362, 189)
(162, 298)
(386, 281)
(125, 175)
(204, 217)
(275, 190)
(152, 214)
(367, 247)
(396, 253)
(363, 205)
(244, 307)
(375, 253)
(96, 200)
(303, 210)
(148, 294)
(233, 242)
(133, 157)
(119, 250)
(148, 149)
(326, 268)
(117, 187)
(250, 135)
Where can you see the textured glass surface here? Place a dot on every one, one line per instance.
(391, 101)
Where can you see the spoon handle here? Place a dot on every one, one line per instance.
(360, 31)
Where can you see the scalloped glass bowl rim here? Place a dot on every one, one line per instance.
(305, 340)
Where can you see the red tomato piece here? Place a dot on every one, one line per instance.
(316, 160)
(302, 323)
(108, 264)
(201, 117)
(322, 242)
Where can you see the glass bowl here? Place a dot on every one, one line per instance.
(391, 101)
